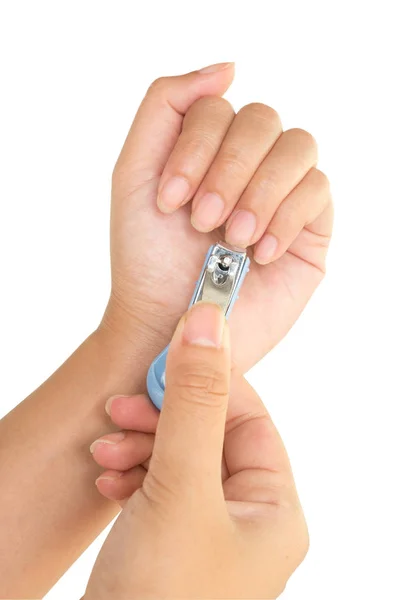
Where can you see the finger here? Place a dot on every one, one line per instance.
(204, 127)
(256, 459)
(111, 484)
(158, 121)
(118, 486)
(251, 439)
(300, 208)
(188, 447)
(108, 456)
(122, 450)
(250, 137)
(312, 244)
(292, 156)
(136, 413)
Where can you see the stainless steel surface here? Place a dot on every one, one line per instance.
(221, 275)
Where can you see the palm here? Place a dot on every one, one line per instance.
(163, 255)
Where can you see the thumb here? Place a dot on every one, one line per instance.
(190, 434)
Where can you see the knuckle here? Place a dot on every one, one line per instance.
(158, 85)
(285, 221)
(202, 127)
(194, 146)
(262, 112)
(320, 181)
(302, 136)
(269, 183)
(234, 161)
(304, 543)
(118, 175)
(199, 144)
(301, 539)
(160, 490)
(115, 175)
(214, 105)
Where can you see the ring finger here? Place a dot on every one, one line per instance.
(294, 153)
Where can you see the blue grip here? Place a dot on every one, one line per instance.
(156, 372)
(155, 378)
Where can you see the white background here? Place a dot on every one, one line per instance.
(72, 76)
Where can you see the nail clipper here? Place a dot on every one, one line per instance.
(220, 280)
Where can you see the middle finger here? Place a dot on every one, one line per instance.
(252, 134)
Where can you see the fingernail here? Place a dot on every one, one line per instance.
(112, 438)
(216, 67)
(266, 249)
(172, 194)
(110, 477)
(241, 228)
(111, 400)
(208, 212)
(204, 325)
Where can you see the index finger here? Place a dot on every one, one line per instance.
(158, 121)
(251, 438)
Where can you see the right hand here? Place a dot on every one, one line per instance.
(184, 128)
(187, 532)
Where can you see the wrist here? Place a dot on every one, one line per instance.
(139, 325)
(130, 340)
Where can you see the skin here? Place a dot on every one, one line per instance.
(155, 259)
(245, 531)
(249, 162)
(185, 129)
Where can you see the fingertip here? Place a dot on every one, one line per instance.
(217, 68)
(204, 325)
(164, 209)
(111, 400)
(266, 249)
(241, 228)
(108, 485)
(207, 82)
(108, 478)
(261, 262)
(110, 439)
(207, 212)
(117, 485)
(134, 413)
(172, 194)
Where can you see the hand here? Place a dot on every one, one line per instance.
(187, 533)
(190, 153)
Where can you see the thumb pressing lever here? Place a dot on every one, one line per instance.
(220, 280)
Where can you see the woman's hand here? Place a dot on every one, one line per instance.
(187, 532)
(189, 169)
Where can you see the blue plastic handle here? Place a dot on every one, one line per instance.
(156, 372)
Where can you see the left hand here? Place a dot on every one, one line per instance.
(271, 197)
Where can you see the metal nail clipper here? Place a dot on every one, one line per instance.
(220, 280)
